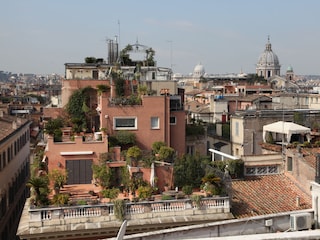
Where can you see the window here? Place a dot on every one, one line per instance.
(155, 123)
(289, 164)
(190, 150)
(125, 123)
(4, 160)
(250, 171)
(95, 74)
(173, 121)
(237, 151)
(262, 170)
(237, 129)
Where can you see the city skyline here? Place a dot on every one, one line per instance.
(225, 36)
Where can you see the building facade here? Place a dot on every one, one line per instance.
(14, 172)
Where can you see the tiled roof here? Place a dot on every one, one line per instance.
(194, 106)
(262, 195)
(310, 155)
(6, 125)
(248, 98)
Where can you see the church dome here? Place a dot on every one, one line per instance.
(268, 58)
(268, 63)
(290, 69)
(198, 70)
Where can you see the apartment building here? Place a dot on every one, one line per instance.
(14, 172)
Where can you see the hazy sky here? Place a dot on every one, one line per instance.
(40, 36)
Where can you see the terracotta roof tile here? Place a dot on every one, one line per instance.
(266, 195)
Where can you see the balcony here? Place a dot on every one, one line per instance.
(98, 219)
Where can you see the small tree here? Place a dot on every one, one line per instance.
(145, 192)
(102, 174)
(53, 126)
(41, 190)
(90, 60)
(142, 90)
(134, 152)
(111, 193)
(60, 199)
(58, 177)
(166, 153)
(157, 145)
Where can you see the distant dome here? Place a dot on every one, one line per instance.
(290, 69)
(268, 57)
(199, 70)
(268, 63)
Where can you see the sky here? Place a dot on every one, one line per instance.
(225, 36)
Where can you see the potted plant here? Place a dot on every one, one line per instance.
(134, 153)
(59, 178)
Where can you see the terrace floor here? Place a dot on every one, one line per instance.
(81, 192)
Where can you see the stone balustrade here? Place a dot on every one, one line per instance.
(147, 209)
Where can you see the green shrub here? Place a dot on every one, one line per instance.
(157, 145)
(166, 197)
(125, 137)
(180, 195)
(196, 199)
(306, 144)
(81, 202)
(145, 192)
(111, 193)
(187, 189)
(270, 138)
(119, 209)
(60, 199)
(134, 152)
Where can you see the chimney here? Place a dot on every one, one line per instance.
(298, 201)
(14, 125)
(117, 153)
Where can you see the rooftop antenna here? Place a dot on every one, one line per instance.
(119, 41)
(170, 41)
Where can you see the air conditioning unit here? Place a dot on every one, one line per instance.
(300, 221)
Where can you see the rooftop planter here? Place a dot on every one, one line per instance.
(126, 101)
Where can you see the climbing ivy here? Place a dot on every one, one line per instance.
(77, 108)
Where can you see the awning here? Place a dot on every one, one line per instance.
(76, 153)
(286, 128)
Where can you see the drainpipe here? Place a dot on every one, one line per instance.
(316, 216)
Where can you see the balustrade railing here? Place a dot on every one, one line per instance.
(85, 211)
